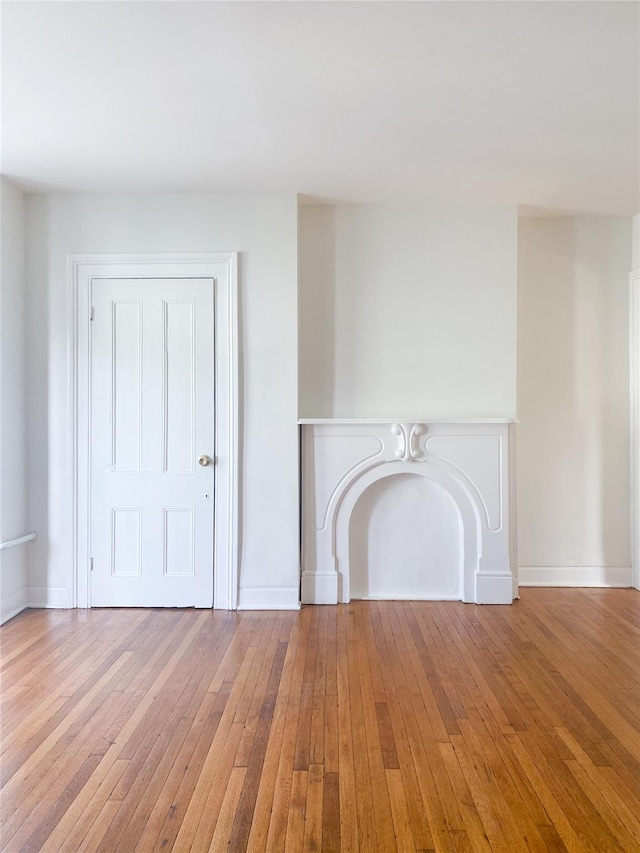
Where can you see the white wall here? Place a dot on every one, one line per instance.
(401, 313)
(264, 231)
(407, 314)
(13, 499)
(635, 253)
(573, 400)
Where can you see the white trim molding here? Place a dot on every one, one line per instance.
(634, 375)
(14, 604)
(587, 576)
(222, 268)
(56, 597)
(21, 540)
(269, 598)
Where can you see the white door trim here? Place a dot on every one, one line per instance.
(634, 374)
(223, 268)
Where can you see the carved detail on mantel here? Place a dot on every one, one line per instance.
(406, 433)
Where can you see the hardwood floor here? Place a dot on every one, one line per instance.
(370, 726)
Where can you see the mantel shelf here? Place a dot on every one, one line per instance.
(408, 420)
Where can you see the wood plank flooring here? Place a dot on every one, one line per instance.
(363, 727)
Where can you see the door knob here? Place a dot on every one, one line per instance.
(205, 460)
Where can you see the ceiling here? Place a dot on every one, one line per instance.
(441, 103)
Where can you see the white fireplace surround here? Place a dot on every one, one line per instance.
(469, 459)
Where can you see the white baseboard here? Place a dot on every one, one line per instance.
(494, 589)
(48, 596)
(401, 597)
(319, 588)
(269, 598)
(596, 576)
(14, 604)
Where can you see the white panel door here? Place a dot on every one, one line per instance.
(152, 418)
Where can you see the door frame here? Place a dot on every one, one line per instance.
(634, 376)
(222, 268)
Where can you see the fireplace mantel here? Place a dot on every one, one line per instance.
(466, 463)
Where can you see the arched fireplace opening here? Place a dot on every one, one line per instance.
(405, 541)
